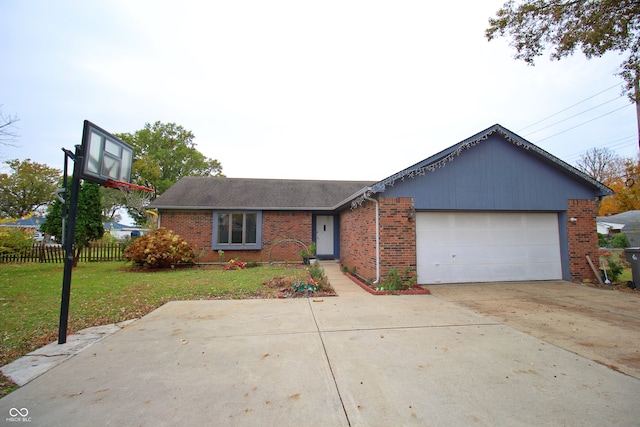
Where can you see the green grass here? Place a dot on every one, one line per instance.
(625, 276)
(108, 292)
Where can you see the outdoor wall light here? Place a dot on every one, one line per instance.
(573, 220)
(411, 215)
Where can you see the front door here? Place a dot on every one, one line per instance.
(324, 235)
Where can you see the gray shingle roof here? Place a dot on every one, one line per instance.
(631, 219)
(249, 193)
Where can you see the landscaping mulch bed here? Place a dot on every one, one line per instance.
(415, 290)
(284, 286)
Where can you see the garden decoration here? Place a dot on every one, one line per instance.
(307, 288)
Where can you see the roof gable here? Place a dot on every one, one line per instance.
(494, 169)
(263, 194)
(441, 159)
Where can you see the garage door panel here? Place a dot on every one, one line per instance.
(540, 238)
(470, 273)
(458, 247)
(488, 253)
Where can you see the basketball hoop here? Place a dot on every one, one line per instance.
(105, 160)
(136, 196)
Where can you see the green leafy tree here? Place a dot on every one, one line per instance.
(88, 219)
(112, 201)
(164, 153)
(29, 186)
(593, 26)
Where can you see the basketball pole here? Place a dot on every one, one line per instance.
(68, 245)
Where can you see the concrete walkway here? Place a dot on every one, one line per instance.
(343, 286)
(356, 359)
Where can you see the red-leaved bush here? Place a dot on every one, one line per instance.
(235, 264)
(160, 248)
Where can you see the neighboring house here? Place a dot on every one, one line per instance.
(626, 222)
(30, 224)
(123, 232)
(493, 207)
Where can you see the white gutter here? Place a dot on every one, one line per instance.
(377, 235)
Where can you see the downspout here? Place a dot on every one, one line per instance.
(377, 235)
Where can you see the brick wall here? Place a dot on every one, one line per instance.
(280, 229)
(194, 226)
(583, 239)
(358, 240)
(280, 233)
(397, 238)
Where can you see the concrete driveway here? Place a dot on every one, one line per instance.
(355, 360)
(600, 324)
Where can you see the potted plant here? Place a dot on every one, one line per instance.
(309, 254)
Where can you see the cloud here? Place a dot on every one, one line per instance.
(290, 89)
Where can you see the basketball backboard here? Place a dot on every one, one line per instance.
(105, 156)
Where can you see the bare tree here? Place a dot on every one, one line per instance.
(7, 128)
(600, 164)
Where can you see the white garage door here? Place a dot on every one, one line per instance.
(455, 247)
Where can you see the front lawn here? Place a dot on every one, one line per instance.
(109, 292)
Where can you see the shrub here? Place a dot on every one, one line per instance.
(614, 268)
(309, 252)
(319, 277)
(14, 240)
(160, 248)
(398, 282)
(603, 242)
(615, 271)
(620, 240)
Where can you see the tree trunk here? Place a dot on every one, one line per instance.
(637, 100)
(76, 255)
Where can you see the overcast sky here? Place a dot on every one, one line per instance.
(296, 89)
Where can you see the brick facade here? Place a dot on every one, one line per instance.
(194, 226)
(397, 238)
(583, 239)
(358, 240)
(281, 234)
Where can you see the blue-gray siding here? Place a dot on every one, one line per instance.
(494, 175)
